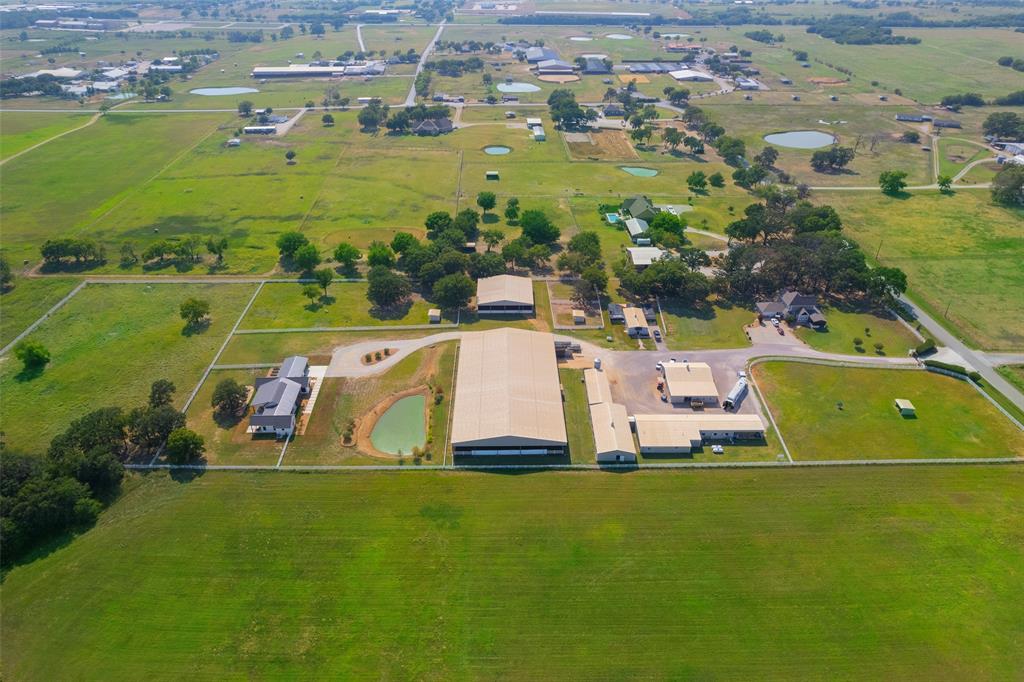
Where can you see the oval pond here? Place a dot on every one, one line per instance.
(402, 427)
(218, 92)
(619, 36)
(497, 150)
(640, 172)
(801, 139)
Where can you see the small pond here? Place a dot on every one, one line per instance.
(497, 150)
(218, 92)
(402, 427)
(581, 39)
(640, 172)
(619, 36)
(594, 55)
(121, 95)
(801, 139)
(518, 87)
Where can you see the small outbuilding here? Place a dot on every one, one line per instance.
(578, 316)
(690, 382)
(492, 175)
(434, 315)
(905, 407)
(636, 323)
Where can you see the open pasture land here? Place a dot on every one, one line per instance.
(270, 348)
(961, 253)
(65, 187)
(965, 58)
(834, 413)
(845, 325)
(870, 130)
(861, 572)
(283, 306)
(108, 344)
(711, 327)
(20, 130)
(27, 300)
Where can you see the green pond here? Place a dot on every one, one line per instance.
(640, 172)
(402, 427)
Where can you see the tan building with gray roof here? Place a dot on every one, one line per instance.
(504, 295)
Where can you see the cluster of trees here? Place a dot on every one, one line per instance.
(1014, 99)
(373, 115)
(464, 46)
(853, 29)
(758, 171)
(1017, 64)
(455, 68)
(566, 112)
(765, 36)
(1008, 185)
(1005, 125)
(402, 120)
(967, 99)
(43, 497)
(18, 87)
(833, 159)
(670, 277)
(57, 252)
(787, 242)
(182, 251)
(295, 248)
(732, 149)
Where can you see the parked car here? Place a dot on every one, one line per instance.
(659, 366)
(717, 449)
(657, 334)
(664, 397)
(775, 321)
(782, 332)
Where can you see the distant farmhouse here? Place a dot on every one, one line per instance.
(803, 308)
(639, 207)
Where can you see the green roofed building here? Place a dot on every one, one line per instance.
(639, 207)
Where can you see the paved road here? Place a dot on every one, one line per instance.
(999, 359)
(347, 361)
(410, 99)
(978, 360)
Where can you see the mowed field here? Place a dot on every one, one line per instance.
(20, 130)
(962, 254)
(844, 574)
(829, 413)
(107, 345)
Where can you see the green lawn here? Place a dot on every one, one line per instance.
(21, 130)
(1014, 374)
(961, 253)
(577, 416)
(26, 302)
(846, 325)
(108, 344)
(706, 329)
(282, 306)
(953, 420)
(840, 574)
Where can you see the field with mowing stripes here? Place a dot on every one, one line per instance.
(840, 574)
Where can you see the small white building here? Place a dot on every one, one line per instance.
(642, 256)
(691, 75)
(532, 121)
(613, 439)
(538, 134)
(636, 323)
(434, 315)
(690, 382)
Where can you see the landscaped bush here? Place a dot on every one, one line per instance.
(947, 366)
(925, 347)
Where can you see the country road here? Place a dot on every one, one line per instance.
(410, 99)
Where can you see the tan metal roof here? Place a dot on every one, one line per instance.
(634, 317)
(598, 388)
(674, 430)
(504, 289)
(507, 390)
(685, 379)
(611, 429)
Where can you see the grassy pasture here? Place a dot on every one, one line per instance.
(26, 302)
(108, 344)
(716, 327)
(871, 130)
(953, 420)
(288, 573)
(966, 58)
(846, 325)
(65, 187)
(20, 130)
(959, 251)
(282, 306)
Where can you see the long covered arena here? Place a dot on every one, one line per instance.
(508, 400)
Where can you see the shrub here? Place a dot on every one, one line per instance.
(857, 341)
(925, 347)
(946, 366)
